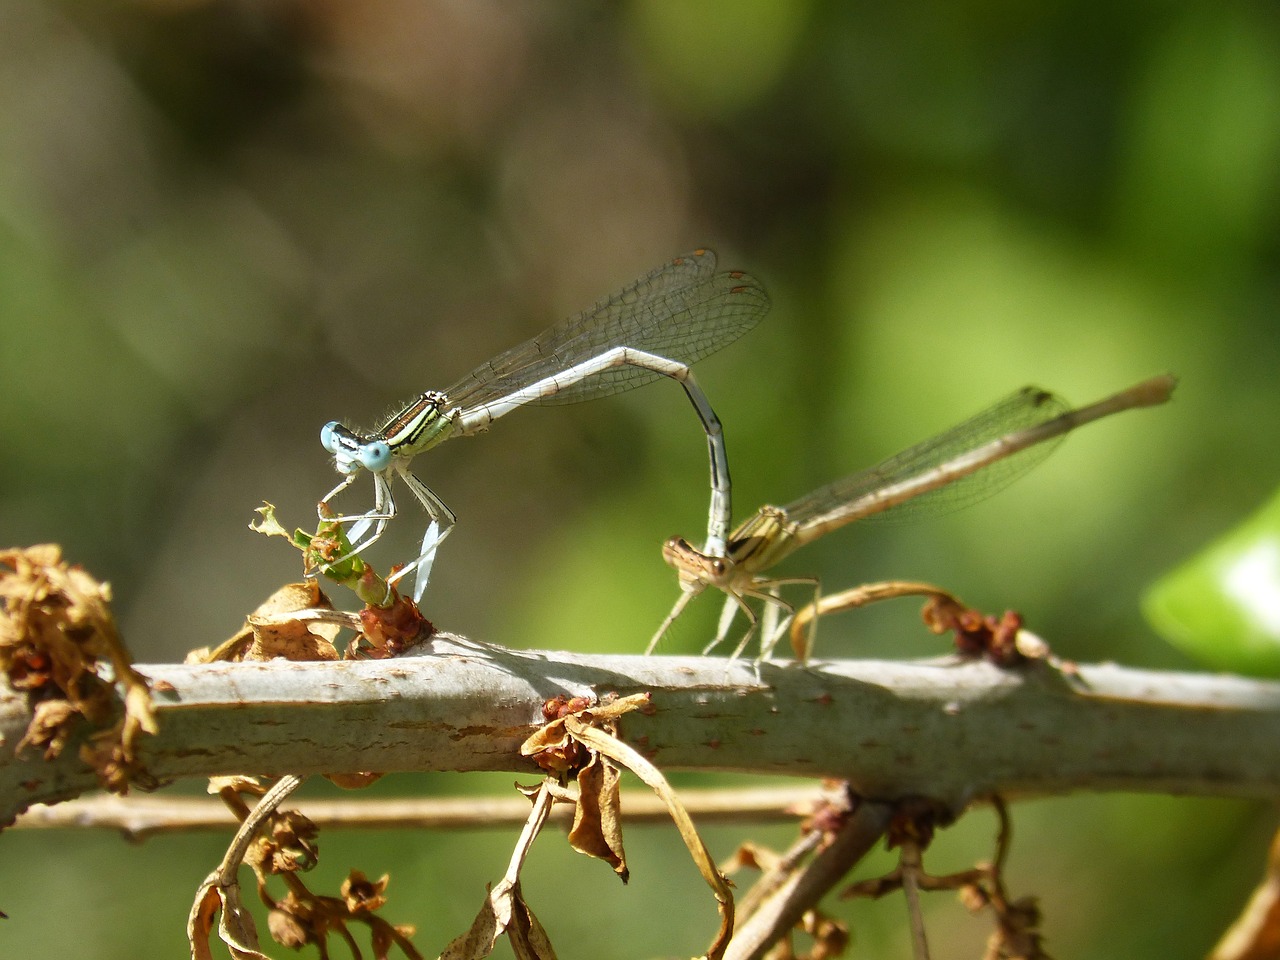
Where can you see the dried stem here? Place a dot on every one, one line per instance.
(783, 911)
(141, 817)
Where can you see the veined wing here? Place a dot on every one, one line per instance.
(857, 496)
(682, 311)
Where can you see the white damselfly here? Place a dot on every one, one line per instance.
(655, 327)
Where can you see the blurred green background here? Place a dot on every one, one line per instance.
(225, 223)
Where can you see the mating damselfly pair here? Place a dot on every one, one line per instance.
(657, 326)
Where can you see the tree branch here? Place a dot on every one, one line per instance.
(946, 730)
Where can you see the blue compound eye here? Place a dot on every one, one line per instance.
(327, 439)
(375, 456)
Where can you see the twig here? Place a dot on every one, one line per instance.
(912, 867)
(140, 818)
(805, 888)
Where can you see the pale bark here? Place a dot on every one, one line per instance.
(945, 730)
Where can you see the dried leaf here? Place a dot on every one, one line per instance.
(236, 928)
(481, 937)
(289, 639)
(529, 941)
(503, 911)
(1256, 933)
(235, 924)
(270, 632)
(51, 724)
(751, 856)
(269, 526)
(200, 919)
(597, 818)
(551, 745)
(624, 755)
(57, 639)
(236, 783)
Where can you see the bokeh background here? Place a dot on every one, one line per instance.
(225, 223)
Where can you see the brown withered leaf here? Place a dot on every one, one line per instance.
(552, 746)
(269, 631)
(597, 816)
(581, 728)
(57, 635)
(235, 924)
(751, 856)
(51, 724)
(1256, 933)
(290, 639)
(576, 740)
(236, 783)
(504, 912)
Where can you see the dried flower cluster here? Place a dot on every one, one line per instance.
(59, 644)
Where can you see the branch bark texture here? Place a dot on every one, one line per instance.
(946, 730)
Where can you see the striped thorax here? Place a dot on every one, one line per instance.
(418, 426)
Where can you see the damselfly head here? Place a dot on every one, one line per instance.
(349, 449)
(695, 568)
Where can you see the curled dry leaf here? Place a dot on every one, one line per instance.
(1256, 933)
(628, 757)
(235, 924)
(597, 818)
(751, 856)
(504, 910)
(59, 643)
(291, 639)
(577, 739)
(270, 631)
(51, 724)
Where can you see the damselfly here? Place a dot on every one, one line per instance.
(999, 439)
(655, 327)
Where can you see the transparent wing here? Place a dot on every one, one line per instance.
(682, 311)
(1026, 408)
